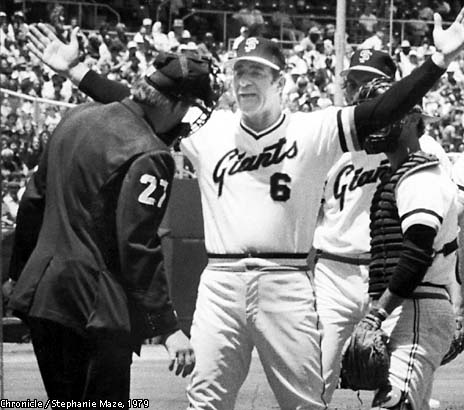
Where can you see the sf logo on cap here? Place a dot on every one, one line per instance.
(251, 44)
(365, 55)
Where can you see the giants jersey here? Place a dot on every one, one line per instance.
(429, 197)
(343, 225)
(260, 191)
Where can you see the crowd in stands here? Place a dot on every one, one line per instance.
(123, 56)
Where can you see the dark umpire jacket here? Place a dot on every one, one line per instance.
(87, 254)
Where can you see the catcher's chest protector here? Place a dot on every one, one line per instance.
(385, 226)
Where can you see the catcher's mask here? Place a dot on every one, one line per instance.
(189, 79)
(385, 139)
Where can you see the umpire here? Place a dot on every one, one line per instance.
(87, 259)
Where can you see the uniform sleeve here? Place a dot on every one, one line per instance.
(140, 209)
(421, 200)
(29, 218)
(347, 134)
(101, 89)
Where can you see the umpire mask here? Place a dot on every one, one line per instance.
(189, 79)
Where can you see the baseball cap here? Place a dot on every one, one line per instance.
(315, 30)
(147, 22)
(405, 43)
(132, 44)
(372, 61)
(2, 14)
(260, 50)
(182, 77)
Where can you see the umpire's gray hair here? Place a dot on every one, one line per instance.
(144, 93)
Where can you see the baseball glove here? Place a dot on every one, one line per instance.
(366, 360)
(457, 344)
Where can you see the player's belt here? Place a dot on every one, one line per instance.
(351, 260)
(242, 262)
(430, 291)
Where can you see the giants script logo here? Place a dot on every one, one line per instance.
(235, 161)
(359, 178)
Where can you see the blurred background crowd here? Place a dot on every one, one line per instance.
(34, 98)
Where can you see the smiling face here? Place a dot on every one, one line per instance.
(257, 89)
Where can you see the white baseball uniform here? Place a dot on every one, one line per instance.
(257, 191)
(343, 242)
(458, 178)
(420, 330)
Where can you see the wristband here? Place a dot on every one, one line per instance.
(380, 313)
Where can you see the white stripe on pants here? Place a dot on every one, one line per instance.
(420, 332)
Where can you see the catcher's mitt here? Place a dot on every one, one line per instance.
(457, 344)
(366, 360)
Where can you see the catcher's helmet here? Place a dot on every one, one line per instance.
(187, 78)
(386, 139)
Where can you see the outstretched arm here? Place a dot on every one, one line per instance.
(64, 59)
(401, 97)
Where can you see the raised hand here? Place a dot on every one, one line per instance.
(46, 46)
(449, 42)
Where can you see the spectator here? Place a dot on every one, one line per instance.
(134, 60)
(19, 28)
(250, 17)
(7, 35)
(244, 34)
(57, 21)
(121, 39)
(296, 61)
(283, 25)
(175, 35)
(58, 88)
(313, 36)
(143, 37)
(417, 28)
(405, 66)
(425, 49)
(208, 48)
(375, 41)
(10, 201)
(368, 22)
(160, 39)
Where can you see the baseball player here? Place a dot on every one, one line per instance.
(253, 170)
(457, 288)
(341, 238)
(413, 243)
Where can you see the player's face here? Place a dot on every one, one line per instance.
(354, 80)
(255, 88)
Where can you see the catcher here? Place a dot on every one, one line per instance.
(413, 256)
(457, 345)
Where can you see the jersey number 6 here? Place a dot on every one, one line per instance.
(279, 186)
(146, 197)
